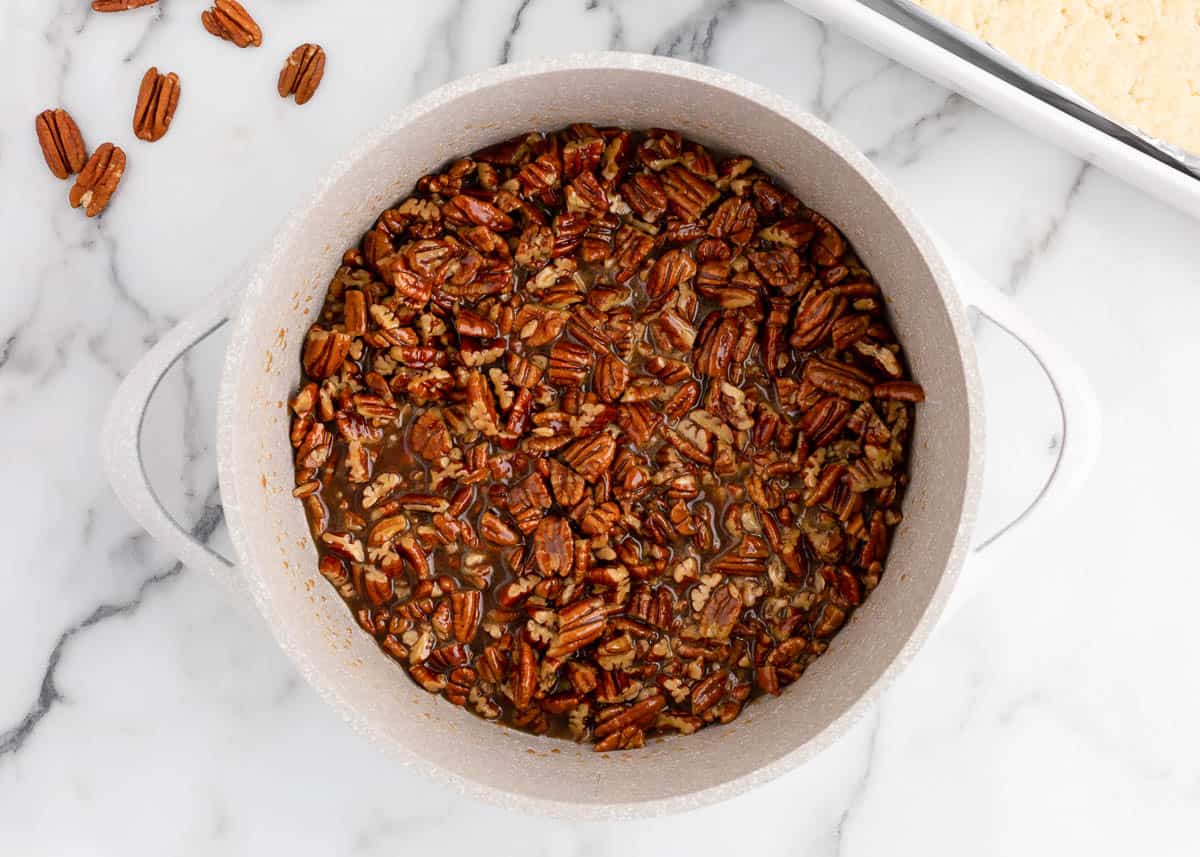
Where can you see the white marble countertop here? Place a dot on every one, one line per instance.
(140, 714)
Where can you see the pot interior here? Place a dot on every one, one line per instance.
(269, 527)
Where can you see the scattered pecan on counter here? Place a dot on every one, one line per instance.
(157, 99)
(96, 182)
(62, 144)
(302, 73)
(229, 20)
(119, 5)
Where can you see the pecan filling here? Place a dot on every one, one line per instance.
(601, 435)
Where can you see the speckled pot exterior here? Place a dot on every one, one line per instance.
(276, 555)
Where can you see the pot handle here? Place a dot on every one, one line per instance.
(1079, 442)
(122, 433)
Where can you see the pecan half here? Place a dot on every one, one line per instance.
(467, 606)
(325, 351)
(570, 363)
(591, 456)
(721, 613)
(119, 5)
(579, 625)
(642, 713)
(61, 142)
(670, 270)
(229, 20)
(524, 682)
(630, 738)
(302, 72)
(904, 391)
(98, 180)
(837, 378)
(815, 318)
(553, 549)
(496, 531)
(645, 195)
(709, 692)
(612, 377)
(157, 99)
(734, 219)
(688, 194)
(568, 485)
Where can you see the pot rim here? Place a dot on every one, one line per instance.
(239, 344)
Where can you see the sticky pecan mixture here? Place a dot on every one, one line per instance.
(602, 436)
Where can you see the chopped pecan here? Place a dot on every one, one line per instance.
(525, 371)
(824, 534)
(848, 329)
(767, 679)
(682, 401)
(639, 421)
(380, 489)
(616, 653)
(881, 356)
(344, 545)
(846, 585)
(832, 618)
(460, 684)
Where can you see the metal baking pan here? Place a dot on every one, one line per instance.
(887, 28)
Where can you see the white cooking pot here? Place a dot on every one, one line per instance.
(276, 561)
